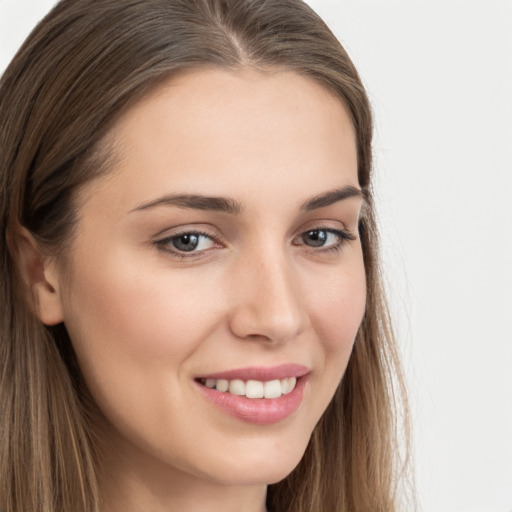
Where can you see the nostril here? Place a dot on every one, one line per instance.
(265, 323)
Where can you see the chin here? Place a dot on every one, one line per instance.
(260, 463)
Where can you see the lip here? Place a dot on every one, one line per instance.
(263, 373)
(258, 411)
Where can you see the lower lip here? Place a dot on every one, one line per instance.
(259, 411)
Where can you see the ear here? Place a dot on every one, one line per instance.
(39, 274)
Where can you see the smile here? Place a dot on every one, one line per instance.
(253, 388)
(257, 395)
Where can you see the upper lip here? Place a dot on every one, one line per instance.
(262, 373)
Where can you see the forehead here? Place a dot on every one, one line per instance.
(220, 131)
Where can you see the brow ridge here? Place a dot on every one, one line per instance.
(230, 206)
(196, 202)
(332, 196)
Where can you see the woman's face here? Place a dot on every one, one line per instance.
(222, 248)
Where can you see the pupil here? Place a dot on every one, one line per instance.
(186, 242)
(316, 238)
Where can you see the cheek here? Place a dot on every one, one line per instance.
(134, 330)
(144, 313)
(337, 310)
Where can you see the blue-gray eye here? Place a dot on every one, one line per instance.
(325, 238)
(189, 242)
(316, 237)
(186, 242)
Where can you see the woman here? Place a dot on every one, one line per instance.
(192, 314)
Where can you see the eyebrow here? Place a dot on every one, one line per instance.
(195, 202)
(230, 206)
(332, 196)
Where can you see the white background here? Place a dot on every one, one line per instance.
(439, 74)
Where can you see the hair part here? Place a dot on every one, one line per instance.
(84, 65)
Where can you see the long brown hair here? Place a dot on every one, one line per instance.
(81, 67)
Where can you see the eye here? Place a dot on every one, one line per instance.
(187, 242)
(324, 238)
(318, 238)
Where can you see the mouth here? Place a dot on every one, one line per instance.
(252, 388)
(256, 395)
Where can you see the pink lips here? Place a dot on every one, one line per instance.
(262, 373)
(260, 411)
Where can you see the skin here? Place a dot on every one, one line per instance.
(145, 321)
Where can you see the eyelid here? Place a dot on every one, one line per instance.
(333, 225)
(200, 228)
(343, 232)
(344, 237)
(163, 243)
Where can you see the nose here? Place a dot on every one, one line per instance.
(267, 302)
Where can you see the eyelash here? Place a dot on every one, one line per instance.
(344, 236)
(165, 244)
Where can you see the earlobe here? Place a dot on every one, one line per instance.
(39, 275)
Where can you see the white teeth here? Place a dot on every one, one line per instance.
(237, 387)
(253, 388)
(291, 384)
(288, 385)
(273, 389)
(222, 385)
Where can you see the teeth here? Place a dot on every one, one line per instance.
(291, 384)
(222, 385)
(237, 387)
(273, 389)
(210, 383)
(253, 388)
